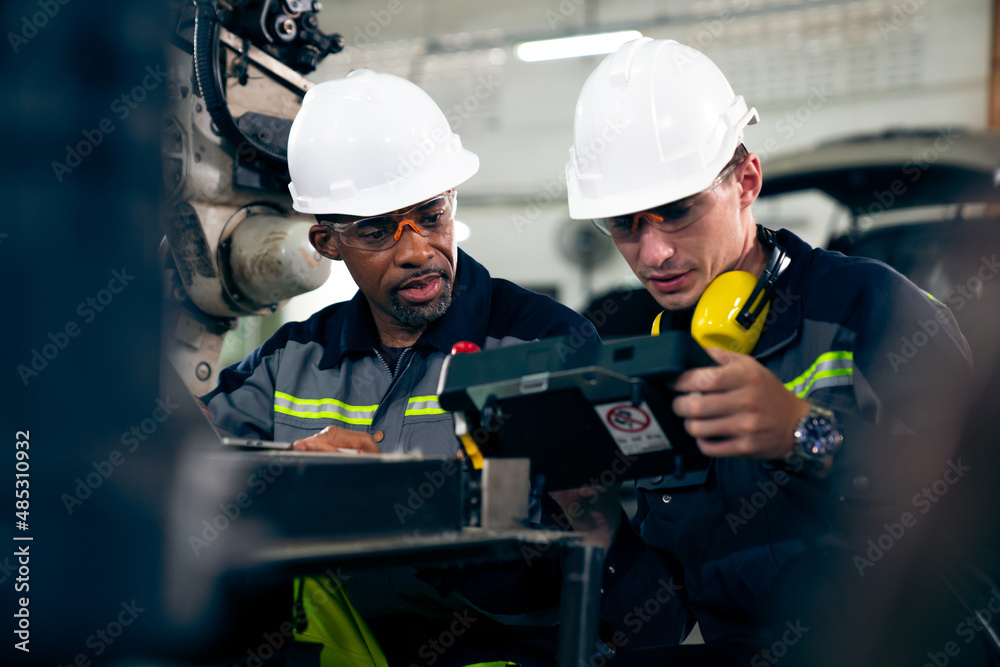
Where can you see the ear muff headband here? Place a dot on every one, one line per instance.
(776, 265)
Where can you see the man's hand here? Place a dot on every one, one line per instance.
(204, 408)
(334, 438)
(738, 408)
(593, 511)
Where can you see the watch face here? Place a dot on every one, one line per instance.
(818, 437)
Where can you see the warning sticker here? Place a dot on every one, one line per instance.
(633, 427)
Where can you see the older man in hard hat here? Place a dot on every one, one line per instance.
(805, 424)
(373, 158)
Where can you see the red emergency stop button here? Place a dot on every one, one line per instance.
(464, 346)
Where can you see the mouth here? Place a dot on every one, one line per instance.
(668, 282)
(422, 289)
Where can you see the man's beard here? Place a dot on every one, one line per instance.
(428, 312)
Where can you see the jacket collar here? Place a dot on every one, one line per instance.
(466, 319)
(784, 318)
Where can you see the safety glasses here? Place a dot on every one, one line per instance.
(380, 232)
(672, 217)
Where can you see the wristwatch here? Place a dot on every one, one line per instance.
(817, 438)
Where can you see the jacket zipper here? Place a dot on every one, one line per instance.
(395, 377)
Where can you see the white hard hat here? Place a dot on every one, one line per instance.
(655, 122)
(369, 144)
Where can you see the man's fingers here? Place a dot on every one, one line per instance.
(696, 405)
(718, 427)
(365, 446)
(313, 444)
(334, 439)
(712, 378)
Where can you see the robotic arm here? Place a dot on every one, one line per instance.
(233, 245)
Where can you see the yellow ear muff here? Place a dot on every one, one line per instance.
(656, 324)
(714, 323)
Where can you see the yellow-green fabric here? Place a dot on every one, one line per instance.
(333, 622)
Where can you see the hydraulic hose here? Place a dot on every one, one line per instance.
(208, 78)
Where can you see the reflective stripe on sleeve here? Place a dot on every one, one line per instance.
(423, 405)
(830, 369)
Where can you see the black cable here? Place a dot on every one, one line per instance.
(207, 75)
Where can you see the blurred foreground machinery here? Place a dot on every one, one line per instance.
(233, 245)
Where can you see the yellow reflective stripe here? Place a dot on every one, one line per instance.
(834, 364)
(828, 356)
(424, 405)
(312, 408)
(833, 372)
(323, 415)
(326, 401)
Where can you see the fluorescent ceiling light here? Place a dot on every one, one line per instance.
(574, 47)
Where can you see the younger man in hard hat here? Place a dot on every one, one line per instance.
(373, 158)
(806, 428)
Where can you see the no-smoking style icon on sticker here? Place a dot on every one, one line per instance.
(628, 418)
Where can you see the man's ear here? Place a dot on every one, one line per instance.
(322, 238)
(750, 180)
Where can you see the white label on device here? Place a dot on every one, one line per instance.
(633, 428)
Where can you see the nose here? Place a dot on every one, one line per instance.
(411, 249)
(655, 246)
